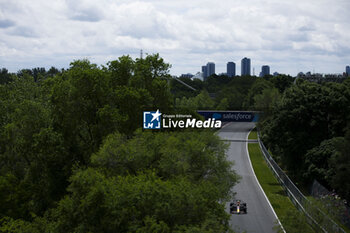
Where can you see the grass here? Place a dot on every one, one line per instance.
(253, 134)
(289, 216)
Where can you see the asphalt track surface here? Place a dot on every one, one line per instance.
(260, 217)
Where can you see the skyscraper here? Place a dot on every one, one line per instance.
(245, 67)
(265, 70)
(347, 70)
(204, 71)
(231, 69)
(210, 68)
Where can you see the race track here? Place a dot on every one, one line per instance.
(260, 217)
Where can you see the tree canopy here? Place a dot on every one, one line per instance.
(306, 129)
(74, 159)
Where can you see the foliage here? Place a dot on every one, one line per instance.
(133, 204)
(256, 89)
(201, 102)
(333, 207)
(235, 92)
(317, 161)
(122, 70)
(179, 90)
(171, 155)
(281, 82)
(33, 160)
(340, 163)
(232, 93)
(307, 114)
(72, 157)
(265, 101)
(305, 128)
(5, 76)
(215, 83)
(189, 176)
(223, 105)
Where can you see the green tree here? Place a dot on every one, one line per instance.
(201, 102)
(215, 83)
(235, 92)
(266, 101)
(223, 105)
(317, 161)
(140, 203)
(33, 172)
(282, 82)
(234, 98)
(340, 163)
(179, 90)
(5, 76)
(76, 98)
(73, 159)
(297, 124)
(149, 68)
(307, 114)
(171, 155)
(121, 70)
(257, 88)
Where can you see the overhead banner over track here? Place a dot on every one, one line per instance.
(226, 116)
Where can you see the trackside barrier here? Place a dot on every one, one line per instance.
(316, 218)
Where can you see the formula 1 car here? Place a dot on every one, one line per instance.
(238, 207)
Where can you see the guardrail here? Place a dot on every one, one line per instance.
(316, 218)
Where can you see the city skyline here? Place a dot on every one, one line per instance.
(291, 37)
(265, 70)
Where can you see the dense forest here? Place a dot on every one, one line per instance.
(74, 159)
(309, 133)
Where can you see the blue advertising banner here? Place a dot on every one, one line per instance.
(226, 116)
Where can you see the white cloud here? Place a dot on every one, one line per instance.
(289, 36)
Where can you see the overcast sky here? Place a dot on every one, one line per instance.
(290, 36)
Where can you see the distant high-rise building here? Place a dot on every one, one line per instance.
(347, 70)
(245, 67)
(231, 69)
(210, 68)
(204, 71)
(265, 70)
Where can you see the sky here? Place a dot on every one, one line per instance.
(289, 36)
